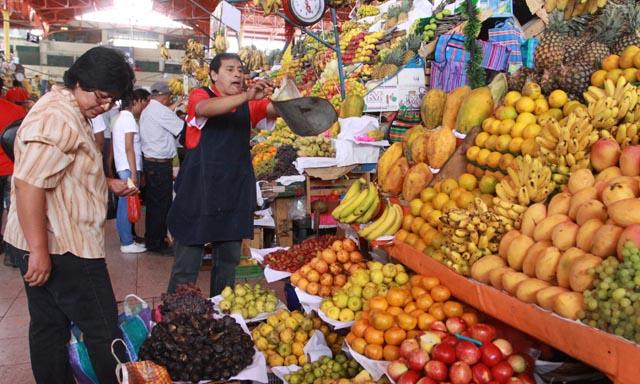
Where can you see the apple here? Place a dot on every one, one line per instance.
(491, 354)
(428, 340)
(518, 363)
(605, 153)
(417, 359)
(502, 372)
(483, 333)
(460, 373)
(409, 377)
(451, 340)
(445, 353)
(526, 379)
(467, 352)
(505, 347)
(407, 346)
(396, 369)
(514, 380)
(481, 373)
(438, 326)
(426, 380)
(436, 370)
(455, 325)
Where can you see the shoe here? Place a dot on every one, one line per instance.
(164, 251)
(133, 248)
(140, 244)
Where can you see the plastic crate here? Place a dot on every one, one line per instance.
(248, 271)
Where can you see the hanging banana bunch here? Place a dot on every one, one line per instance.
(220, 42)
(164, 53)
(269, 7)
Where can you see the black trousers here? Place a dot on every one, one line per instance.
(79, 291)
(226, 257)
(157, 198)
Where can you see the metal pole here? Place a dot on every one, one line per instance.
(5, 28)
(336, 36)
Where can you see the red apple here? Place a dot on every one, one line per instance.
(456, 325)
(426, 380)
(491, 354)
(417, 359)
(481, 373)
(437, 370)
(604, 154)
(407, 346)
(526, 379)
(467, 352)
(630, 161)
(505, 347)
(518, 363)
(502, 372)
(396, 369)
(514, 380)
(460, 373)
(409, 377)
(483, 333)
(445, 353)
(451, 340)
(438, 326)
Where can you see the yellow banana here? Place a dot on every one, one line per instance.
(374, 226)
(385, 225)
(366, 217)
(398, 221)
(372, 192)
(352, 192)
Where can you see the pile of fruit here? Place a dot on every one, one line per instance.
(614, 66)
(318, 146)
(297, 255)
(282, 338)
(248, 301)
(387, 224)
(279, 165)
(324, 274)
(360, 204)
(340, 367)
(347, 302)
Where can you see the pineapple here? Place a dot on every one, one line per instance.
(630, 34)
(392, 17)
(518, 79)
(408, 56)
(414, 42)
(559, 41)
(575, 79)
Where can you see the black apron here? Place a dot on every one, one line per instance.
(216, 188)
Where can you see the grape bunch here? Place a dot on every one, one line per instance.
(613, 304)
(187, 299)
(282, 164)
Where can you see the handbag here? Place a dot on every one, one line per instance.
(139, 372)
(8, 137)
(133, 208)
(509, 34)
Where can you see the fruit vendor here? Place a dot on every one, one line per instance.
(216, 187)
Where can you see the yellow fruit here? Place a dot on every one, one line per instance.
(518, 129)
(505, 126)
(525, 104)
(465, 199)
(614, 74)
(505, 161)
(411, 239)
(494, 159)
(487, 123)
(527, 118)
(503, 143)
(477, 106)
(448, 185)
(511, 98)
(481, 138)
(529, 147)
(626, 59)
(451, 204)
(487, 184)
(440, 200)
(482, 156)
(495, 127)
(425, 210)
(636, 60)
(401, 235)
(569, 107)
(491, 142)
(611, 62)
(416, 224)
(467, 181)
(472, 153)
(455, 193)
(434, 217)
(558, 98)
(506, 112)
(630, 74)
(531, 131)
(531, 90)
(516, 144)
(598, 77)
(429, 193)
(557, 113)
(541, 106)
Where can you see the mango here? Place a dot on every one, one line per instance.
(477, 106)
(605, 241)
(579, 277)
(625, 212)
(564, 265)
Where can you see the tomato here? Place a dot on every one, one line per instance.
(395, 336)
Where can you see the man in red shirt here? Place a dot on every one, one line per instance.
(216, 188)
(9, 113)
(17, 94)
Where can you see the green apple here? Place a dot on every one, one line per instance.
(355, 291)
(240, 290)
(373, 265)
(402, 278)
(389, 270)
(376, 276)
(360, 277)
(369, 291)
(346, 315)
(382, 289)
(354, 304)
(225, 305)
(340, 300)
(227, 292)
(325, 305)
(333, 313)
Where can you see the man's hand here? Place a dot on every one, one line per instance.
(259, 90)
(39, 269)
(120, 187)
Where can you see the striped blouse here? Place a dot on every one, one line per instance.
(55, 150)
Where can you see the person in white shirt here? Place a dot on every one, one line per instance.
(159, 128)
(127, 155)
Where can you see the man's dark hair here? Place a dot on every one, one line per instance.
(17, 83)
(135, 95)
(103, 69)
(216, 62)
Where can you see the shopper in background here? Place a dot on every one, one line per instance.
(17, 94)
(1, 88)
(55, 226)
(159, 128)
(128, 160)
(216, 187)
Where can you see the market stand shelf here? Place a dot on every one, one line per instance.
(612, 355)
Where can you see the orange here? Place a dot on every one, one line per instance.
(401, 235)
(417, 291)
(382, 321)
(406, 321)
(373, 351)
(350, 337)
(440, 293)
(406, 222)
(411, 239)
(420, 245)
(416, 224)
(416, 313)
(428, 282)
(408, 308)
(359, 345)
(390, 353)
(470, 318)
(395, 311)
(395, 336)
(424, 302)
(415, 280)
(425, 320)
(452, 309)
(378, 303)
(359, 327)
(436, 311)
(396, 297)
(374, 336)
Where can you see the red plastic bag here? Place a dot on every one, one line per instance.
(133, 208)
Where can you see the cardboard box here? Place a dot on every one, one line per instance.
(405, 90)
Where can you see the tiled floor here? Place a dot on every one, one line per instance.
(145, 274)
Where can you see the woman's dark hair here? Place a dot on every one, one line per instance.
(136, 95)
(17, 83)
(216, 62)
(103, 69)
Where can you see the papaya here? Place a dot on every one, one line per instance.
(432, 108)
(416, 179)
(419, 148)
(394, 178)
(452, 105)
(477, 106)
(440, 146)
(352, 106)
(409, 137)
(390, 156)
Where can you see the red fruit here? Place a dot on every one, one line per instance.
(481, 373)
(505, 347)
(460, 373)
(514, 380)
(444, 352)
(456, 325)
(518, 363)
(438, 326)
(409, 377)
(426, 380)
(437, 370)
(451, 340)
(502, 372)
(407, 346)
(396, 369)
(483, 333)
(467, 352)
(417, 359)
(491, 354)
(526, 379)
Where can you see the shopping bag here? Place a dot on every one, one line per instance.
(139, 372)
(133, 208)
(528, 48)
(135, 323)
(79, 359)
(509, 34)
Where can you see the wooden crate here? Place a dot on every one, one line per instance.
(257, 242)
(318, 189)
(284, 225)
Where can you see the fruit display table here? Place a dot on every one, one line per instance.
(613, 355)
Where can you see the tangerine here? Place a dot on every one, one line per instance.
(374, 336)
(358, 345)
(452, 308)
(406, 321)
(378, 303)
(359, 327)
(374, 351)
(390, 353)
(437, 311)
(440, 293)
(425, 320)
(395, 336)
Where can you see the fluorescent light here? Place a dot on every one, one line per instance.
(131, 12)
(135, 43)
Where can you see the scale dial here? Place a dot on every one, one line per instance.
(304, 12)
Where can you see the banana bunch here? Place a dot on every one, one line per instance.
(573, 8)
(269, 7)
(528, 181)
(189, 65)
(366, 10)
(612, 104)
(220, 43)
(194, 50)
(252, 58)
(564, 145)
(625, 134)
(387, 225)
(339, 3)
(202, 73)
(510, 212)
(164, 53)
(176, 86)
(469, 235)
(360, 203)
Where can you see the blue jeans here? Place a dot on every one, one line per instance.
(122, 214)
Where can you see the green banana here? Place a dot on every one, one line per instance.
(366, 217)
(372, 192)
(398, 223)
(352, 192)
(354, 203)
(373, 226)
